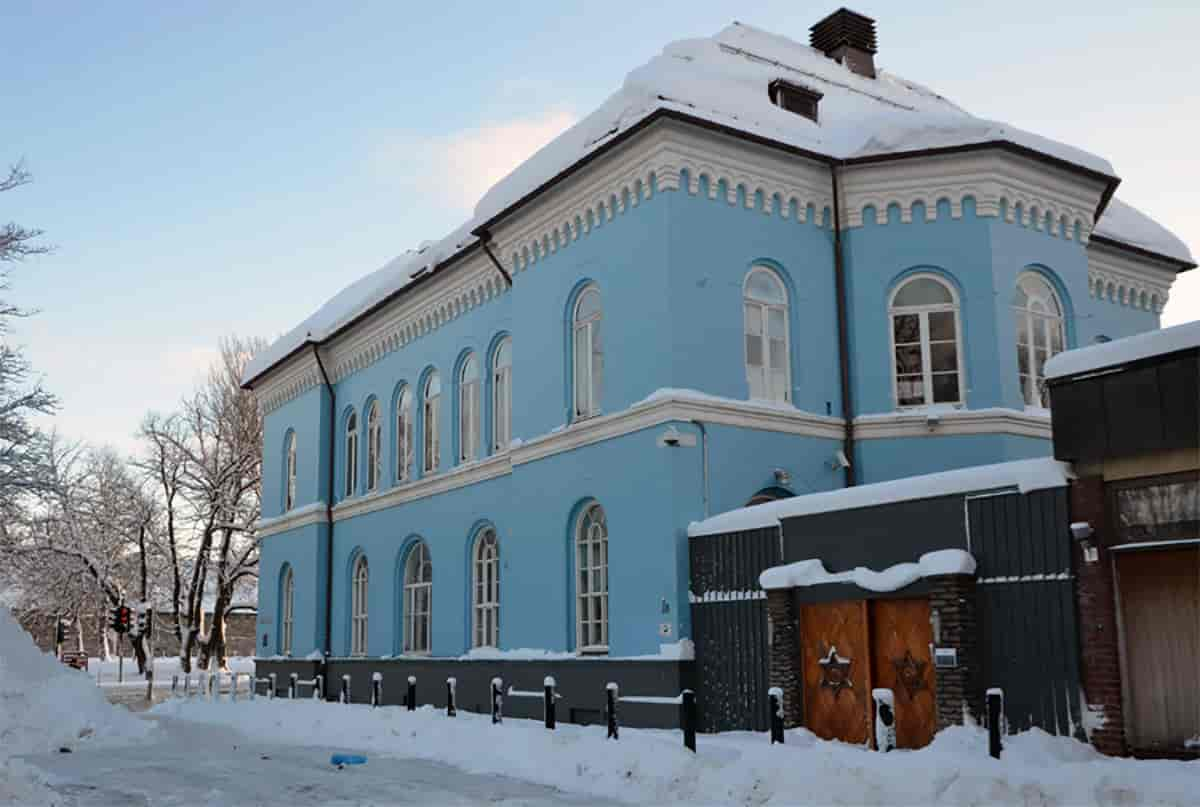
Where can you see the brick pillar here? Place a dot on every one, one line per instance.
(952, 598)
(785, 671)
(1100, 663)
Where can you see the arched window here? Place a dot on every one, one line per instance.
(486, 587)
(925, 343)
(404, 436)
(351, 454)
(418, 595)
(1039, 334)
(502, 395)
(289, 496)
(287, 610)
(766, 328)
(432, 399)
(468, 410)
(358, 608)
(588, 354)
(374, 443)
(591, 580)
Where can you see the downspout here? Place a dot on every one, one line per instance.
(328, 513)
(839, 279)
(485, 240)
(704, 463)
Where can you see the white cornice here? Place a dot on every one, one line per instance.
(952, 422)
(311, 514)
(461, 476)
(289, 380)
(1123, 278)
(998, 181)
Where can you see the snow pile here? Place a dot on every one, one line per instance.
(813, 573)
(652, 767)
(45, 705)
(1020, 475)
(1127, 224)
(1122, 351)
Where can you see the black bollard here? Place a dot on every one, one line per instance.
(548, 704)
(689, 720)
(775, 699)
(995, 715)
(497, 700)
(450, 710)
(610, 709)
(412, 692)
(346, 689)
(319, 689)
(376, 689)
(292, 679)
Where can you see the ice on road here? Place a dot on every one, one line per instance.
(187, 763)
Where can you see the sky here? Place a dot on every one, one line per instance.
(208, 169)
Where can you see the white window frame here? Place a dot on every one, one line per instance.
(404, 436)
(502, 397)
(287, 612)
(359, 607)
(469, 416)
(584, 373)
(923, 312)
(1033, 386)
(289, 496)
(591, 580)
(752, 306)
(416, 582)
(485, 590)
(374, 444)
(431, 410)
(351, 455)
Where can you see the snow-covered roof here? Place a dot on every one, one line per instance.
(1023, 475)
(812, 572)
(1123, 351)
(723, 79)
(1124, 223)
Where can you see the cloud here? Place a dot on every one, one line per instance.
(458, 168)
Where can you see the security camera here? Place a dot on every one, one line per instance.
(671, 437)
(1081, 530)
(840, 460)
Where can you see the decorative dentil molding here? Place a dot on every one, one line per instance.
(1124, 279)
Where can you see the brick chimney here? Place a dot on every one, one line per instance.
(847, 37)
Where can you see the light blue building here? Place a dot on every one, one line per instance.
(761, 269)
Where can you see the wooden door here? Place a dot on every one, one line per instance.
(1160, 613)
(901, 635)
(835, 658)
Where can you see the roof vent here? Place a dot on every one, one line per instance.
(794, 98)
(847, 37)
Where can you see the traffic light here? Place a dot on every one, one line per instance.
(121, 618)
(114, 620)
(60, 632)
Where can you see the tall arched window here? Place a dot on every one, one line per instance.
(351, 454)
(468, 410)
(588, 354)
(766, 328)
(289, 496)
(287, 610)
(925, 343)
(374, 444)
(502, 395)
(431, 401)
(591, 581)
(358, 608)
(1040, 334)
(486, 588)
(404, 436)
(418, 597)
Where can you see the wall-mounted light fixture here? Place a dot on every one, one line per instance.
(782, 476)
(1082, 532)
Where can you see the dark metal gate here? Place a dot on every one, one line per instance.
(729, 627)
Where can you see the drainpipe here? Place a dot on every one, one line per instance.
(328, 513)
(839, 278)
(704, 463)
(485, 240)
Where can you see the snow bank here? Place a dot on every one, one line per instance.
(652, 767)
(1122, 351)
(813, 573)
(45, 705)
(1021, 475)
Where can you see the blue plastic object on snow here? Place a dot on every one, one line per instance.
(347, 759)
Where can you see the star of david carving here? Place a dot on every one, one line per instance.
(911, 673)
(835, 672)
